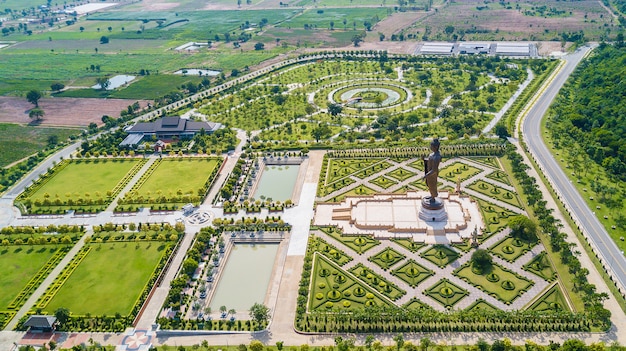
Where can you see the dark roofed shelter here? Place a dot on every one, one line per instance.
(41, 323)
(168, 128)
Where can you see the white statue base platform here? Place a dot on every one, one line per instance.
(389, 216)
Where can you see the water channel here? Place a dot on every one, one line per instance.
(246, 276)
(277, 182)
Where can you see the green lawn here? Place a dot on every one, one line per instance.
(19, 141)
(187, 174)
(20, 263)
(109, 279)
(82, 177)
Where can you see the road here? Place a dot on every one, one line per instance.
(596, 234)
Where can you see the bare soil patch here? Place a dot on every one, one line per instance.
(398, 21)
(63, 111)
(158, 5)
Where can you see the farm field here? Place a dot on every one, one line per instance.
(107, 270)
(524, 20)
(19, 141)
(64, 112)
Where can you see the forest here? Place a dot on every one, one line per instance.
(591, 109)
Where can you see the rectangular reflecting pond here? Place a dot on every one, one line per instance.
(246, 276)
(277, 182)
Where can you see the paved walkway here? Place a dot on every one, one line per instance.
(154, 304)
(132, 182)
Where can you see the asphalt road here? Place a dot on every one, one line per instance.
(582, 214)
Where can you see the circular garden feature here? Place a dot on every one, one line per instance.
(366, 96)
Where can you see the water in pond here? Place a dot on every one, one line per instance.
(116, 82)
(246, 277)
(198, 72)
(277, 182)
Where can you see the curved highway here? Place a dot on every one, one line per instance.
(610, 255)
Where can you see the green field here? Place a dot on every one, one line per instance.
(109, 279)
(143, 88)
(82, 177)
(19, 141)
(188, 175)
(192, 25)
(20, 263)
(321, 18)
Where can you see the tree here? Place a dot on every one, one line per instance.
(357, 39)
(36, 114)
(259, 313)
(523, 228)
(62, 315)
(33, 97)
(53, 140)
(103, 82)
(368, 341)
(482, 345)
(57, 86)
(189, 266)
(259, 46)
(501, 131)
(481, 259)
(104, 39)
(280, 345)
(321, 131)
(334, 109)
(425, 343)
(399, 339)
(574, 345)
(256, 345)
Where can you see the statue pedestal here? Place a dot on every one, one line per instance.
(430, 203)
(437, 215)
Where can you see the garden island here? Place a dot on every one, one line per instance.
(331, 197)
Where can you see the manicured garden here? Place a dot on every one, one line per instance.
(440, 255)
(171, 183)
(111, 262)
(509, 249)
(498, 193)
(541, 266)
(100, 274)
(412, 273)
(446, 293)
(499, 282)
(86, 185)
(458, 171)
(390, 270)
(336, 289)
(551, 301)
(360, 243)
(25, 268)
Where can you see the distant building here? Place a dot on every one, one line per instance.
(474, 48)
(167, 128)
(41, 324)
(513, 49)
